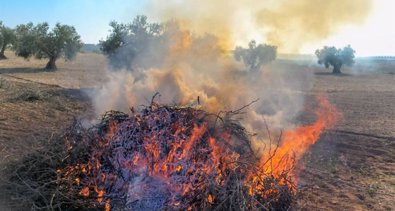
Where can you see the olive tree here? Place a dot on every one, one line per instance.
(255, 55)
(331, 56)
(7, 38)
(38, 41)
(127, 41)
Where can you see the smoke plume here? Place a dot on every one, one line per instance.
(289, 24)
(294, 23)
(196, 66)
(191, 67)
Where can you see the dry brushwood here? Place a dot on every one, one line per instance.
(161, 158)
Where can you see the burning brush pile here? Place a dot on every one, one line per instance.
(160, 158)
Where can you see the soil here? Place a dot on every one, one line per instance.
(351, 167)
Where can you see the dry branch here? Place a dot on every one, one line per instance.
(161, 158)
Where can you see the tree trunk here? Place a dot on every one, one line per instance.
(51, 65)
(336, 69)
(2, 56)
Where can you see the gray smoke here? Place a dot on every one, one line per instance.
(195, 66)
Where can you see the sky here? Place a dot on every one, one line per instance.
(90, 17)
(373, 37)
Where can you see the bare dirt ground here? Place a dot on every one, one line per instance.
(352, 166)
(85, 71)
(36, 105)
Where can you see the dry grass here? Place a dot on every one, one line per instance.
(30, 114)
(86, 71)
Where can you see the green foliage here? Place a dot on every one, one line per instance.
(331, 56)
(38, 41)
(127, 41)
(255, 55)
(25, 40)
(7, 38)
(115, 40)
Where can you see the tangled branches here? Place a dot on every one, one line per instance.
(162, 158)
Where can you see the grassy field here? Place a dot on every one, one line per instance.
(352, 167)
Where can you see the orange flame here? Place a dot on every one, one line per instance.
(297, 141)
(107, 207)
(84, 192)
(182, 158)
(210, 199)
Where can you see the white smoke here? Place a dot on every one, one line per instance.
(221, 84)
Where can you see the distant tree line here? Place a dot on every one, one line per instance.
(139, 39)
(90, 48)
(128, 41)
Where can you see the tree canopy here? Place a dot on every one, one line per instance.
(142, 45)
(38, 41)
(7, 38)
(127, 41)
(331, 56)
(255, 55)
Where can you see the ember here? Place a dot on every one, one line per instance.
(176, 158)
(162, 158)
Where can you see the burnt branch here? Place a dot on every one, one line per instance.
(160, 158)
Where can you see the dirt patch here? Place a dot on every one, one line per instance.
(86, 71)
(350, 168)
(31, 114)
(348, 172)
